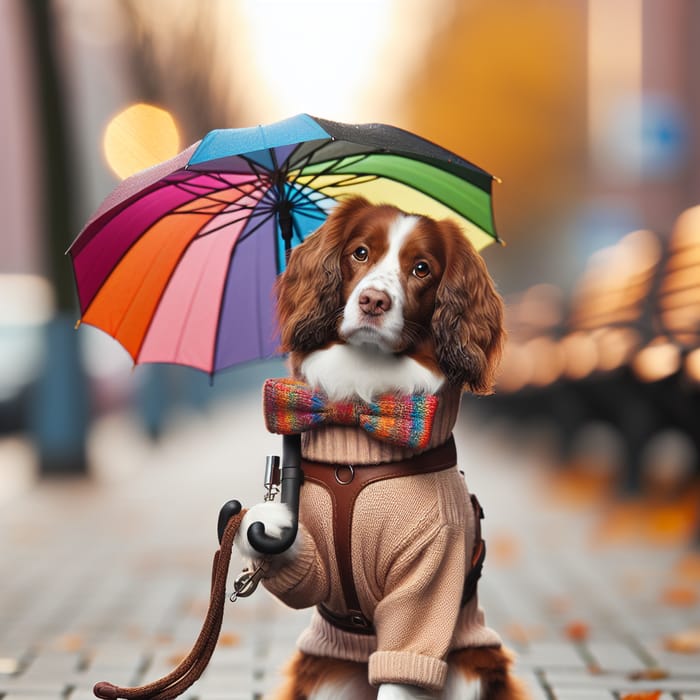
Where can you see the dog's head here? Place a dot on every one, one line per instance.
(403, 283)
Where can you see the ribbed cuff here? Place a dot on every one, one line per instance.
(407, 667)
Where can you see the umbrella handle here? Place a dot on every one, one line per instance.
(292, 477)
(228, 510)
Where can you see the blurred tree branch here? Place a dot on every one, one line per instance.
(178, 63)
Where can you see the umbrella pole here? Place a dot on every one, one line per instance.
(284, 221)
(292, 477)
(283, 209)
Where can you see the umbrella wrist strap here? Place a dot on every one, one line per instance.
(192, 667)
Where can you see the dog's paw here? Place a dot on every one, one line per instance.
(276, 517)
(399, 691)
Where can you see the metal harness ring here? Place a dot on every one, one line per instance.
(343, 482)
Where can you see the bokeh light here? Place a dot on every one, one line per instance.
(140, 136)
(322, 78)
(660, 359)
(692, 366)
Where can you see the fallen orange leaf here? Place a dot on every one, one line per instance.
(670, 523)
(649, 674)
(503, 550)
(577, 631)
(680, 596)
(70, 642)
(176, 658)
(645, 695)
(523, 634)
(687, 642)
(578, 484)
(229, 639)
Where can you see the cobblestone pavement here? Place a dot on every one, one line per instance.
(107, 578)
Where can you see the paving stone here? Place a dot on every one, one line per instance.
(28, 686)
(35, 695)
(582, 694)
(614, 656)
(620, 682)
(551, 655)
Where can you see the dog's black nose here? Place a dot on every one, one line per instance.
(374, 302)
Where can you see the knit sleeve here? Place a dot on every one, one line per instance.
(303, 581)
(428, 582)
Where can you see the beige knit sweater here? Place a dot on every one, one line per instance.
(412, 541)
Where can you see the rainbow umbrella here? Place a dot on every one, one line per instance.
(179, 262)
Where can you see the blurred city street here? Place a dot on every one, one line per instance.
(114, 463)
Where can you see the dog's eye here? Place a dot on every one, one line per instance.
(421, 269)
(361, 254)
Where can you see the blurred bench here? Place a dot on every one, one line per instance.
(623, 350)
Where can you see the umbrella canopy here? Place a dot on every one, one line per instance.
(179, 262)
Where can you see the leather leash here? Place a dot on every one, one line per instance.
(192, 667)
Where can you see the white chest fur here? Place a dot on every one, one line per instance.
(345, 371)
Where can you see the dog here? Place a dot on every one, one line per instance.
(380, 302)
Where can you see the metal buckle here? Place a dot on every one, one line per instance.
(359, 620)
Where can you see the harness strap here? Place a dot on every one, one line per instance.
(478, 553)
(344, 483)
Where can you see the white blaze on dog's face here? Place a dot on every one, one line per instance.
(391, 270)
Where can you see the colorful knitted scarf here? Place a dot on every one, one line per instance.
(291, 406)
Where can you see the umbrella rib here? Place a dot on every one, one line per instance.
(231, 207)
(261, 172)
(216, 229)
(249, 232)
(306, 160)
(349, 181)
(203, 192)
(329, 168)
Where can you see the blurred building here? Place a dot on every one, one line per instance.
(588, 111)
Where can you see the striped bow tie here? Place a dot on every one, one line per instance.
(291, 406)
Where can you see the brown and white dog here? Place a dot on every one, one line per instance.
(382, 301)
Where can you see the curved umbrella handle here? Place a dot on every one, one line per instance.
(292, 477)
(228, 510)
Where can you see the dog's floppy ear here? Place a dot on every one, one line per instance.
(309, 299)
(467, 322)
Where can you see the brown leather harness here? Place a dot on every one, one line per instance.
(344, 482)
